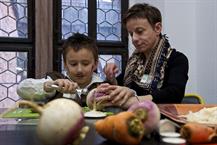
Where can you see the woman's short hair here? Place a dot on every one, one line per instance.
(144, 11)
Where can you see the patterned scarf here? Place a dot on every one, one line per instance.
(148, 73)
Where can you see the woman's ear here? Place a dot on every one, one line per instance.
(158, 27)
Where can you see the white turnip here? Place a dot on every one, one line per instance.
(61, 121)
(91, 103)
(90, 100)
(149, 113)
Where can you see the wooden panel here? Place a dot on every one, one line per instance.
(44, 37)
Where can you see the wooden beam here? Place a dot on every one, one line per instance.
(44, 37)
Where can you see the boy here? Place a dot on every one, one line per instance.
(80, 55)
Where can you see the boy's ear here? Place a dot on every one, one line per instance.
(65, 66)
(95, 66)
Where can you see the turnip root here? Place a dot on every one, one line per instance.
(90, 100)
(149, 113)
(61, 122)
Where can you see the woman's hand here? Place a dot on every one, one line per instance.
(115, 95)
(110, 71)
(120, 95)
(136, 99)
(65, 86)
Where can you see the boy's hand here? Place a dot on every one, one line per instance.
(64, 85)
(48, 86)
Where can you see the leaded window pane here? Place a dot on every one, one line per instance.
(13, 69)
(74, 17)
(13, 18)
(109, 20)
(104, 59)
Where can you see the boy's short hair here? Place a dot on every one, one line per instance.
(143, 11)
(79, 41)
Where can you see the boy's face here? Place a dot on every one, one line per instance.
(80, 66)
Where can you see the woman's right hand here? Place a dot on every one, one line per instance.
(110, 71)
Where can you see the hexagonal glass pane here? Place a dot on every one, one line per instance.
(78, 26)
(13, 70)
(104, 29)
(100, 16)
(83, 15)
(3, 7)
(110, 17)
(74, 17)
(111, 9)
(70, 14)
(7, 103)
(13, 19)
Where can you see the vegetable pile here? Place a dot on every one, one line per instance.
(129, 127)
(61, 122)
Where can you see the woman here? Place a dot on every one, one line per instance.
(155, 71)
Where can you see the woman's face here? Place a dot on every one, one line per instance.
(144, 36)
(80, 66)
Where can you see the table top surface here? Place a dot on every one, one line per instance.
(14, 131)
(23, 132)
